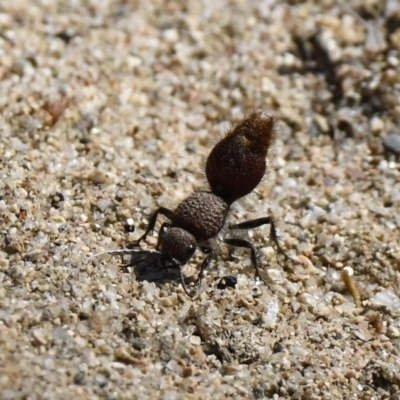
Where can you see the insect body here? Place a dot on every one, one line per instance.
(234, 168)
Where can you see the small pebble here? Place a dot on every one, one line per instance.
(391, 142)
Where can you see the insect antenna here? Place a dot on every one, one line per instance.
(133, 262)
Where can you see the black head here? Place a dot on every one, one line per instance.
(177, 244)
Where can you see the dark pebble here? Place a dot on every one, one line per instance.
(79, 378)
(227, 281)
(391, 143)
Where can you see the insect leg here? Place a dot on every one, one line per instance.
(164, 226)
(273, 234)
(153, 219)
(206, 262)
(247, 245)
(182, 278)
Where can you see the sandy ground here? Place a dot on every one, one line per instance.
(108, 109)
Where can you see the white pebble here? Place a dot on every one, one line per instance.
(388, 299)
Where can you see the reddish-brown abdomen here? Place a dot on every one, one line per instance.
(237, 163)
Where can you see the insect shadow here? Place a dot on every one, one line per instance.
(146, 265)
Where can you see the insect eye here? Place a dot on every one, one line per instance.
(191, 248)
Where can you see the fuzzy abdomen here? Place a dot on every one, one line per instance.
(202, 214)
(237, 163)
(232, 171)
